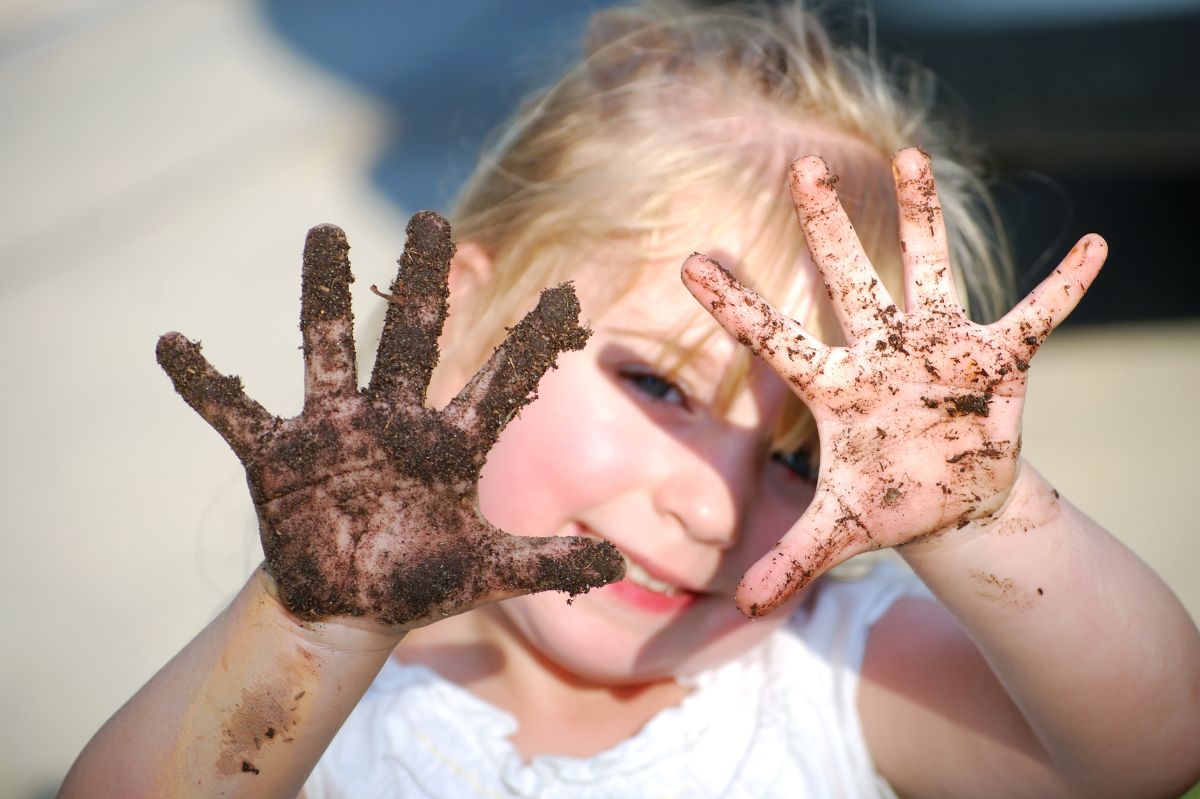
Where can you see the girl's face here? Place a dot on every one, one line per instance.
(614, 447)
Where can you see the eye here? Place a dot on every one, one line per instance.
(800, 462)
(655, 386)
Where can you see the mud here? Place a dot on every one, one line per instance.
(972, 404)
(261, 719)
(418, 305)
(220, 399)
(1005, 590)
(367, 500)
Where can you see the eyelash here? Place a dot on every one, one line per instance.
(656, 387)
(799, 462)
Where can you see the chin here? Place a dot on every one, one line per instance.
(601, 640)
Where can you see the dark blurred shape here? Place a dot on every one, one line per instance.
(449, 72)
(1093, 126)
(1089, 126)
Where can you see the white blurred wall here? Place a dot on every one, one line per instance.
(160, 163)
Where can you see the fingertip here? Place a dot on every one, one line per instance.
(911, 163)
(326, 254)
(696, 266)
(574, 565)
(810, 169)
(559, 310)
(326, 231)
(429, 220)
(173, 349)
(428, 241)
(770, 583)
(168, 341)
(706, 278)
(755, 604)
(1094, 247)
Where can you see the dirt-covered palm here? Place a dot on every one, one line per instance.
(367, 500)
(919, 415)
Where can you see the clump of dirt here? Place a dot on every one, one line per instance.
(969, 404)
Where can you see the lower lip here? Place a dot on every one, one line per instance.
(631, 593)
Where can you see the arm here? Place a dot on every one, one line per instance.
(245, 709)
(370, 522)
(1059, 665)
(1067, 668)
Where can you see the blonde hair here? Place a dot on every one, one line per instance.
(707, 107)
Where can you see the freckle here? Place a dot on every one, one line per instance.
(1041, 592)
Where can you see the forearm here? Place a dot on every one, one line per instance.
(245, 709)
(1094, 650)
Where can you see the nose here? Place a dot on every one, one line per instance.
(706, 486)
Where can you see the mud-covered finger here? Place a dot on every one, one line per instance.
(830, 532)
(416, 312)
(500, 568)
(859, 298)
(507, 381)
(219, 399)
(571, 564)
(1028, 324)
(326, 318)
(781, 342)
(924, 249)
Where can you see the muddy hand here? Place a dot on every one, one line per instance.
(919, 414)
(367, 500)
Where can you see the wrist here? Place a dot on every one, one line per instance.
(335, 634)
(1012, 555)
(1029, 490)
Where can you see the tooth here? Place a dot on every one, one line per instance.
(636, 574)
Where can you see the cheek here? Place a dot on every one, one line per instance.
(566, 451)
(781, 501)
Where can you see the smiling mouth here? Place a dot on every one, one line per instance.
(640, 577)
(637, 575)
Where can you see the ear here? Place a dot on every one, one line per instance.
(470, 268)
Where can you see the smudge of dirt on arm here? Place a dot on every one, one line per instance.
(1005, 590)
(265, 717)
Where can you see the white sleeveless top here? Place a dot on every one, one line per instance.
(779, 721)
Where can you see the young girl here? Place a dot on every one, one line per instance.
(1030, 655)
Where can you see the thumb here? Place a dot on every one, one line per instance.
(829, 533)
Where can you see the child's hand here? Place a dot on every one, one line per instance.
(919, 415)
(367, 500)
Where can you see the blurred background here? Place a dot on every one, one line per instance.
(162, 161)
